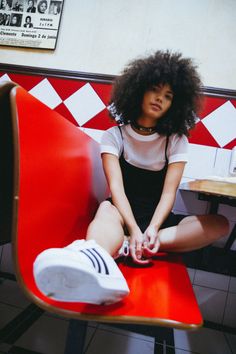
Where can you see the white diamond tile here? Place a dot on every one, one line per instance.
(201, 161)
(212, 280)
(95, 134)
(46, 93)
(221, 123)
(84, 104)
(5, 77)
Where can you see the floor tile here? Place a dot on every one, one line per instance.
(211, 302)
(48, 335)
(1, 249)
(231, 341)
(106, 343)
(124, 332)
(230, 311)
(202, 341)
(181, 351)
(11, 294)
(7, 313)
(7, 261)
(232, 285)
(212, 280)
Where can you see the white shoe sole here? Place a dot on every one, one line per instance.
(62, 278)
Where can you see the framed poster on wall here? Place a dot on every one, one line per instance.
(30, 23)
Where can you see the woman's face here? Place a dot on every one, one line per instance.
(55, 11)
(43, 7)
(3, 3)
(14, 20)
(157, 101)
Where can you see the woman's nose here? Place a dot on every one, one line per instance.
(159, 97)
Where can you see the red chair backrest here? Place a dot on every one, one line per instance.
(58, 181)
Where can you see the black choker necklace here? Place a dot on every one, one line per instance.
(141, 128)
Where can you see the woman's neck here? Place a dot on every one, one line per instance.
(143, 129)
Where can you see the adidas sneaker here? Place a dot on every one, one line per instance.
(81, 272)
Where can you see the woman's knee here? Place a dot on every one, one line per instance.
(107, 211)
(220, 226)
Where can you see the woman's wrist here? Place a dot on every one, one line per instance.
(133, 229)
(155, 225)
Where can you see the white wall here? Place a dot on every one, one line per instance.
(101, 36)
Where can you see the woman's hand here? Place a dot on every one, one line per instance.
(136, 246)
(151, 241)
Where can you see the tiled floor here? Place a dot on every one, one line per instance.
(47, 335)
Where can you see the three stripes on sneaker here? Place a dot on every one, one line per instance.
(97, 260)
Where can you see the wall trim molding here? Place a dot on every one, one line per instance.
(96, 77)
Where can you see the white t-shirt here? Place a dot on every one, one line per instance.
(144, 151)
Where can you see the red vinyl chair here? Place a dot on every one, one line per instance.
(58, 184)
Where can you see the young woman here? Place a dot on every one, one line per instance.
(42, 6)
(28, 23)
(155, 99)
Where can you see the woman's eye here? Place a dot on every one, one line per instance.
(155, 88)
(169, 97)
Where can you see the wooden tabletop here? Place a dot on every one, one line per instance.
(210, 187)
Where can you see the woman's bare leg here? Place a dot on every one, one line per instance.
(193, 232)
(107, 228)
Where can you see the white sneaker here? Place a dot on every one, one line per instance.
(81, 272)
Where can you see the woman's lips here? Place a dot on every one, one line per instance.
(156, 106)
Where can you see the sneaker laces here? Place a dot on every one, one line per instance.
(124, 250)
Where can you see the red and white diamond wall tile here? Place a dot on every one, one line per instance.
(84, 104)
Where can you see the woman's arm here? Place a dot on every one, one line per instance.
(114, 178)
(165, 205)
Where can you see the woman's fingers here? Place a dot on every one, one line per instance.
(151, 251)
(136, 253)
(152, 242)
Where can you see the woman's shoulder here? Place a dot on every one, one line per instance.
(176, 138)
(111, 134)
(113, 131)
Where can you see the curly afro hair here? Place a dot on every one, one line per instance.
(161, 68)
